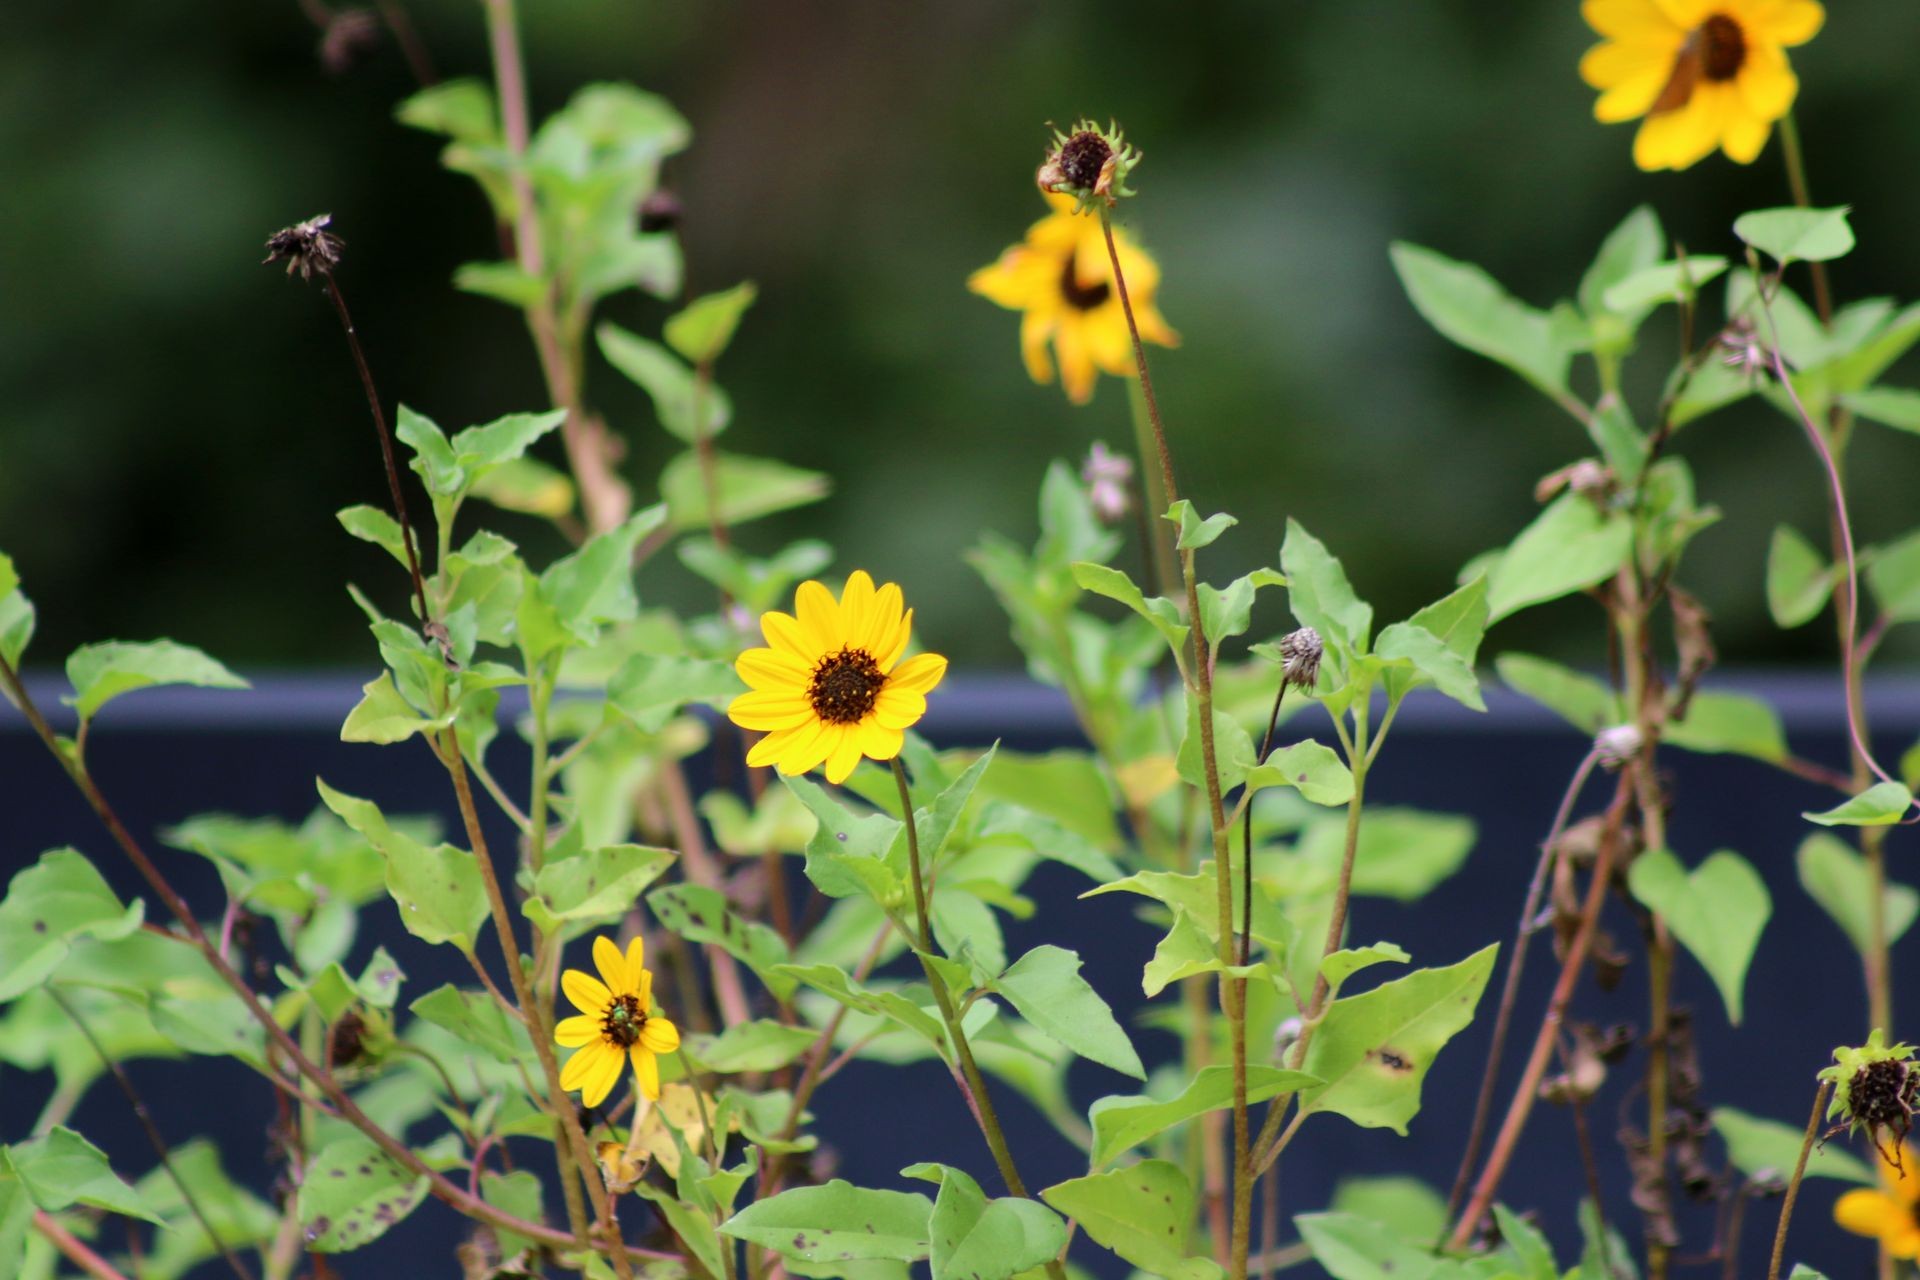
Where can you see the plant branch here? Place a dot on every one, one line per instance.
(1799, 1174)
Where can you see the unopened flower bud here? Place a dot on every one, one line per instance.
(1300, 653)
(1618, 744)
(306, 247)
(1106, 474)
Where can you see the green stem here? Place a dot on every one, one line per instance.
(1796, 163)
(975, 1082)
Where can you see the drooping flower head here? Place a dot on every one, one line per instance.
(1891, 1214)
(616, 1025)
(1060, 278)
(1698, 74)
(831, 685)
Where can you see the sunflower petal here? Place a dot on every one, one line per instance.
(810, 753)
(1868, 1213)
(1036, 328)
(846, 755)
(602, 1078)
(588, 994)
(897, 708)
(1077, 372)
(783, 633)
(898, 645)
(636, 955)
(659, 1035)
(768, 710)
(883, 621)
(571, 1033)
(578, 1069)
(856, 608)
(819, 616)
(612, 965)
(646, 1072)
(878, 742)
(918, 674)
(771, 669)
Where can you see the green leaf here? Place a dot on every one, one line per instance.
(1143, 1213)
(433, 457)
(528, 486)
(1433, 662)
(832, 981)
(748, 488)
(974, 1238)
(594, 585)
(1663, 282)
(474, 1019)
(383, 716)
(57, 901)
(1798, 579)
(1880, 805)
(1163, 613)
(838, 1220)
(760, 1045)
(479, 450)
(438, 890)
(1228, 612)
(1894, 578)
(1374, 1049)
(1123, 1121)
(1895, 407)
(352, 1193)
(1716, 911)
(9, 578)
(102, 672)
(1046, 987)
(701, 914)
(1403, 853)
(1233, 749)
(595, 886)
(1318, 591)
(16, 627)
(240, 1219)
(518, 1193)
(1195, 532)
(1569, 546)
(1838, 879)
(671, 384)
(1581, 700)
(1757, 1145)
(370, 524)
(1797, 235)
(703, 329)
(1633, 245)
(506, 282)
(1312, 768)
(651, 689)
(1352, 1247)
(1407, 1207)
(62, 1169)
(1732, 723)
(1338, 966)
(1469, 307)
(461, 109)
(1530, 1248)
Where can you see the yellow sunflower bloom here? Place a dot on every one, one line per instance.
(1702, 73)
(1060, 277)
(831, 686)
(1891, 1215)
(616, 1025)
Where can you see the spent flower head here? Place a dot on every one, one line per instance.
(1876, 1089)
(306, 247)
(1300, 654)
(1089, 163)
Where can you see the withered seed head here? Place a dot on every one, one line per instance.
(306, 247)
(1082, 157)
(1876, 1092)
(1089, 163)
(1300, 653)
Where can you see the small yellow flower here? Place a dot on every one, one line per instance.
(831, 687)
(1061, 278)
(1891, 1215)
(1703, 73)
(616, 1024)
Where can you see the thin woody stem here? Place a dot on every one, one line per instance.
(73, 1250)
(974, 1084)
(158, 1143)
(1793, 1185)
(1232, 991)
(1509, 994)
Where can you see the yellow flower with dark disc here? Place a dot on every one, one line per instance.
(1061, 279)
(616, 1025)
(1891, 1214)
(1698, 74)
(833, 683)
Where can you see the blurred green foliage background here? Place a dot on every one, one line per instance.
(178, 423)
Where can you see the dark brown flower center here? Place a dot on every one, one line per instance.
(622, 1021)
(1082, 297)
(845, 686)
(1081, 158)
(1723, 47)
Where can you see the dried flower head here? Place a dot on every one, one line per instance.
(1300, 653)
(1876, 1089)
(1090, 164)
(1740, 348)
(1106, 475)
(306, 247)
(1618, 744)
(1587, 476)
(349, 35)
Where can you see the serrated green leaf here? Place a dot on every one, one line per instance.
(1123, 1121)
(1716, 911)
(438, 889)
(1196, 533)
(837, 1220)
(1896, 407)
(594, 886)
(474, 1019)
(1374, 1049)
(102, 672)
(701, 914)
(1797, 235)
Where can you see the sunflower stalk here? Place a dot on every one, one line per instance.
(1799, 1175)
(1232, 990)
(980, 1100)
